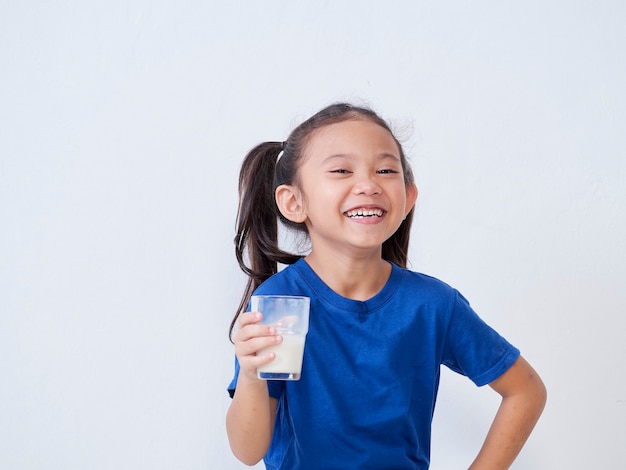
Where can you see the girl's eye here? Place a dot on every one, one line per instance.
(387, 171)
(341, 171)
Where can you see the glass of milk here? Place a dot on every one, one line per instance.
(289, 315)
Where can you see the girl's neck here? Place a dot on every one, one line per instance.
(357, 279)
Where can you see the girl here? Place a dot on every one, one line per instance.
(378, 332)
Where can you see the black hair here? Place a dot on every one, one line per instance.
(262, 171)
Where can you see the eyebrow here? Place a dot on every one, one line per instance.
(350, 156)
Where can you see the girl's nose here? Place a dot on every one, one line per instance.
(367, 185)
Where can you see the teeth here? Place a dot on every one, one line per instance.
(365, 213)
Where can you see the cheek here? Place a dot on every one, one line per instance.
(401, 197)
(315, 193)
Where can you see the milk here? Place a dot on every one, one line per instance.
(288, 315)
(288, 361)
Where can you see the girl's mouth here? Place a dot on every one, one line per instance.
(362, 213)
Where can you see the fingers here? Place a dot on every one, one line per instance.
(251, 338)
(249, 327)
(255, 344)
(249, 318)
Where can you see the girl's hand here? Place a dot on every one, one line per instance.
(250, 339)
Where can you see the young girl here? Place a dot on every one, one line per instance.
(378, 332)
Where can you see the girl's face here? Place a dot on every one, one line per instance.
(352, 190)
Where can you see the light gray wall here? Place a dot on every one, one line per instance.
(122, 127)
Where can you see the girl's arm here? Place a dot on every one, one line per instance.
(523, 398)
(250, 418)
(250, 421)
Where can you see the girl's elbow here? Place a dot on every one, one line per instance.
(243, 451)
(531, 385)
(541, 393)
(249, 461)
(247, 456)
(535, 396)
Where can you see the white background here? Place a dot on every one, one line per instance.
(122, 127)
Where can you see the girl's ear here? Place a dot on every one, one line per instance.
(290, 204)
(411, 197)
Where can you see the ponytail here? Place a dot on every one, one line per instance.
(256, 241)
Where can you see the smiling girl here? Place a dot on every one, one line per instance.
(378, 332)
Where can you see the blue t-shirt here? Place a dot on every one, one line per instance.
(370, 372)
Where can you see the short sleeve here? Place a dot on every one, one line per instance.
(474, 349)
